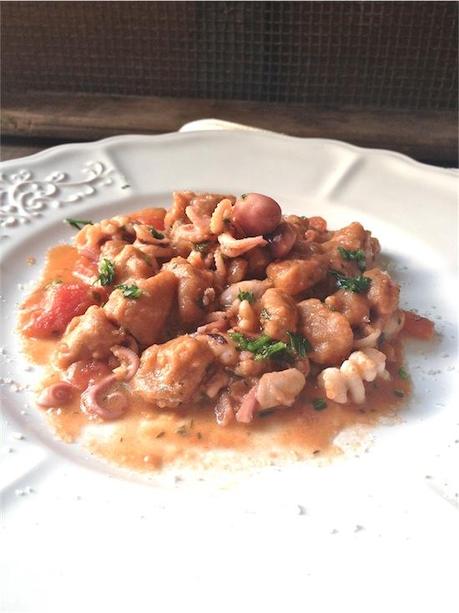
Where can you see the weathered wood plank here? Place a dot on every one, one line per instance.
(422, 135)
(12, 147)
(11, 152)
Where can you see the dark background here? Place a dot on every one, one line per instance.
(373, 73)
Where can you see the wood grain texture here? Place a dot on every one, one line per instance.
(11, 152)
(423, 135)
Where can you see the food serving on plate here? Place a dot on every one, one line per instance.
(170, 333)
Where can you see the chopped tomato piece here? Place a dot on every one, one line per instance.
(83, 372)
(417, 326)
(150, 217)
(60, 303)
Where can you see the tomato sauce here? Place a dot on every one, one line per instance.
(148, 438)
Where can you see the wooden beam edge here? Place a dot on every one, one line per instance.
(421, 134)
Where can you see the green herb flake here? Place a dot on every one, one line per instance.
(155, 234)
(240, 340)
(106, 272)
(358, 285)
(263, 347)
(298, 344)
(78, 223)
(402, 373)
(319, 404)
(130, 291)
(399, 393)
(271, 350)
(249, 296)
(265, 314)
(201, 247)
(353, 256)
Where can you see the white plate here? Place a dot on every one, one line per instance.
(283, 537)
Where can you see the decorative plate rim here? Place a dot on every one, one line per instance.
(382, 499)
(50, 152)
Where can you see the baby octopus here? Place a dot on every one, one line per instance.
(220, 298)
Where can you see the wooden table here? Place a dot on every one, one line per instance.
(35, 121)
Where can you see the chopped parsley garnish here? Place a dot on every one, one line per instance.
(78, 223)
(106, 272)
(246, 296)
(298, 344)
(402, 373)
(359, 285)
(201, 247)
(155, 234)
(130, 291)
(272, 349)
(319, 404)
(265, 314)
(399, 393)
(353, 256)
(264, 347)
